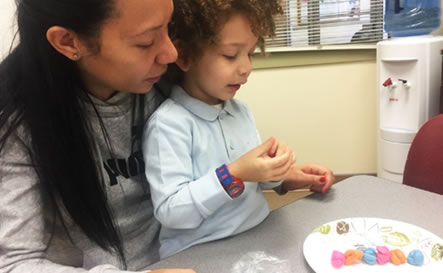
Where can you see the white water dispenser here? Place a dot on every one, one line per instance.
(408, 94)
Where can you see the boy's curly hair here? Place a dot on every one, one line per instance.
(195, 23)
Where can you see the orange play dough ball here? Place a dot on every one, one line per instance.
(398, 257)
(352, 256)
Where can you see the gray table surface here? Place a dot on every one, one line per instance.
(282, 234)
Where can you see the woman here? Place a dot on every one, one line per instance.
(71, 182)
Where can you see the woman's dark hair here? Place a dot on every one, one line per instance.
(41, 91)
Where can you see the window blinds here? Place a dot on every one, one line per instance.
(328, 22)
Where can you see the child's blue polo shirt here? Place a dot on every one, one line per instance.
(185, 140)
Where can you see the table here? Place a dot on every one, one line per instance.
(282, 234)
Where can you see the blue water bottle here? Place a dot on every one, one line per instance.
(411, 17)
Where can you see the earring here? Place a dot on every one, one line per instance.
(75, 56)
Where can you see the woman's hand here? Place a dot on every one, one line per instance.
(271, 161)
(318, 177)
(172, 270)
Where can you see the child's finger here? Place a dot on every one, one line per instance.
(273, 150)
(293, 158)
(281, 175)
(284, 170)
(264, 148)
(281, 148)
(280, 160)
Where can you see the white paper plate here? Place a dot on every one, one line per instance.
(371, 232)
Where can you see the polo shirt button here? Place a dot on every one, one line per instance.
(231, 145)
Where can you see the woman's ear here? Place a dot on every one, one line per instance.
(64, 41)
(182, 61)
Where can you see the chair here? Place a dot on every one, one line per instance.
(424, 164)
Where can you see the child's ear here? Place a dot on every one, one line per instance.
(182, 61)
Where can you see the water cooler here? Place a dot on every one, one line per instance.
(408, 79)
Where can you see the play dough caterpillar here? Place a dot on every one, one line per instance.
(381, 255)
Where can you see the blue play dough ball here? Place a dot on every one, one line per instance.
(370, 256)
(416, 257)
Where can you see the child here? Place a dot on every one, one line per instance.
(201, 147)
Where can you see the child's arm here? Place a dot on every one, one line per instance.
(185, 188)
(182, 201)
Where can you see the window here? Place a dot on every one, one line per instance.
(328, 22)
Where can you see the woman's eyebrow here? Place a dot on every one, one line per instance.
(147, 31)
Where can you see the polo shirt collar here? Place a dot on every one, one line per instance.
(197, 107)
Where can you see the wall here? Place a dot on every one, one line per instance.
(326, 113)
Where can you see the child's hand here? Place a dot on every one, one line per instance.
(271, 161)
(319, 178)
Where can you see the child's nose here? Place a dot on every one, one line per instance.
(245, 67)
